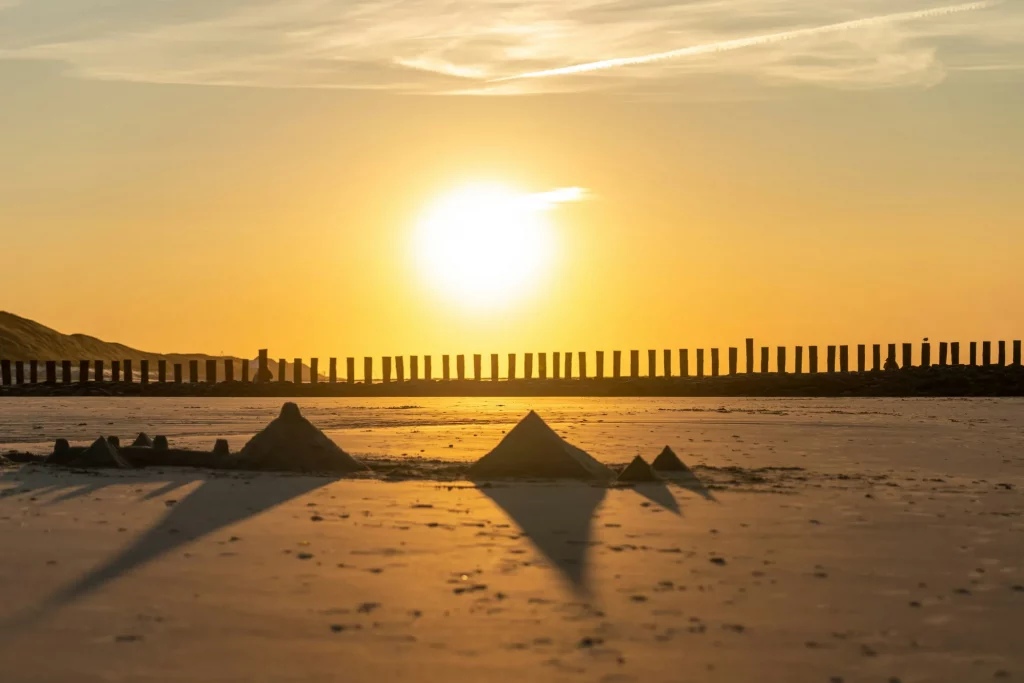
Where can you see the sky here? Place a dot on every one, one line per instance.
(228, 175)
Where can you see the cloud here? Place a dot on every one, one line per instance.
(448, 46)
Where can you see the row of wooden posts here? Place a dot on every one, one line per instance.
(562, 365)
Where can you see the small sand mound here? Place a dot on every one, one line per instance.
(292, 443)
(160, 443)
(668, 461)
(221, 447)
(100, 454)
(532, 449)
(638, 471)
(142, 441)
(62, 453)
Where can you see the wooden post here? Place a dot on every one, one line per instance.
(19, 372)
(974, 353)
(542, 365)
(494, 367)
(844, 358)
(700, 362)
(568, 365)
(65, 371)
(733, 360)
(400, 368)
(634, 363)
(477, 362)
(460, 366)
(427, 374)
(666, 360)
(386, 369)
(263, 370)
(33, 371)
(193, 371)
(908, 350)
(652, 363)
(943, 353)
(1002, 353)
(926, 354)
(282, 370)
(211, 371)
(830, 358)
(5, 372)
(812, 358)
(178, 373)
(714, 362)
(986, 353)
(891, 353)
(446, 367)
(333, 370)
(129, 376)
(314, 370)
(414, 368)
(144, 371)
(297, 371)
(780, 360)
(684, 362)
(83, 371)
(616, 364)
(861, 358)
(350, 370)
(798, 359)
(599, 362)
(583, 364)
(115, 371)
(954, 353)
(527, 366)
(1016, 351)
(556, 365)
(51, 372)
(511, 367)
(764, 359)
(876, 356)
(98, 370)
(367, 370)
(750, 356)
(161, 371)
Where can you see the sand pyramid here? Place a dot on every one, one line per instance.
(638, 471)
(142, 441)
(100, 454)
(292, 443)
(531, 449)
(668, 461)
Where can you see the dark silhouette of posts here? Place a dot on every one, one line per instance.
(33, 371)
(282, 370)
(414, 368)
(1016, 351)
(178, 373)
(666, 361)
(986, 353)
(891, 349)
(446, 367)
(954, 353)
(568, 365)
(128, 376)
(19, 372)
(144, 371)
(974, 353)
(812, 358)
(861, 360)
(229, 370)
(943, 353)
(1002, 353)
(98, 370)
(616, 364)
(332, 364)
(5, 372)
(556, 365)
(700, 362)
(83, 371)
(684, 362)
(494, 367)
(161, 371)
(798, 359)
(460, 366)
(51, 372)
(764, 359)
(314, 370)
(733, 360)
(527, 366)
(427, 373)
(367, 369)
(830, 358)
(245, 370)
(297, 371)
(350, 370)
(583, 364)
(599, 361)
(477, 366)
(399, 368)
(714, 362)
(262, 368)
(876, 356)
(844, 358)
(193, 372)
(926, 354)
(385, 369)
(750, 356)
(211, 371)
(542, 365)
(908, 355)
(115, 371)
(780, 360)
(65, 371)
(511, 366)
(634, 364)
(652, 363)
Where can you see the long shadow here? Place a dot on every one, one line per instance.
(217, 502)
(659, 493)
(689, 482)
(557, 518)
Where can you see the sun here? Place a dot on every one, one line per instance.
(485, 244)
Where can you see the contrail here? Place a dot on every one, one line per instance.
(738, 43)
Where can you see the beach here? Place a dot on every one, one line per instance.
(831, 540)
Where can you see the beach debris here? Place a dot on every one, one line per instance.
(62, 453)
(532, 449)
(638, 471)
(142, 441)
(668, 461)
(160, 442)
(101, 453)
(291, 443)
(220, 447)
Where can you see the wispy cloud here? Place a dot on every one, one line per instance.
(443, 46)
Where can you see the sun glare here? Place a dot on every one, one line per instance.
(484, 245)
